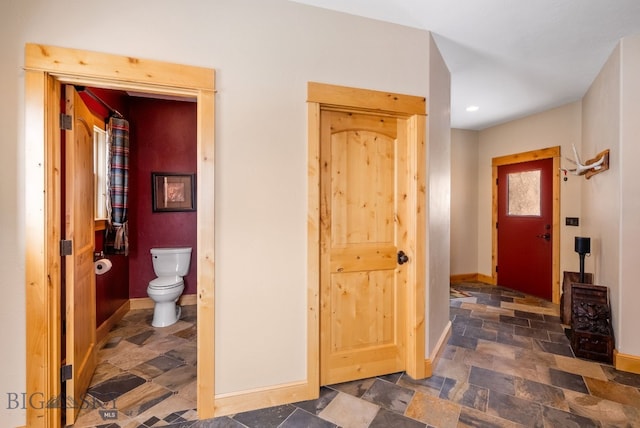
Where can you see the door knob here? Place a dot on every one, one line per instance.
(546, 236)
(402, 257)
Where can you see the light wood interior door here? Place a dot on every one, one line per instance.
(362, 313)
(79, 228)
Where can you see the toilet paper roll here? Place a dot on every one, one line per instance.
(102, 266)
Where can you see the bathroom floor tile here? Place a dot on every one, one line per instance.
(156, 366)
(177, 378)
(111, 389)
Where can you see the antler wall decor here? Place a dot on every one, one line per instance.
(591, 167)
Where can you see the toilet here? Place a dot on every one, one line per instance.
(170, 265)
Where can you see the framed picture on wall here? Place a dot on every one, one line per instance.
(171, 192)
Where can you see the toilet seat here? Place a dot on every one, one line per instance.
(166, 282)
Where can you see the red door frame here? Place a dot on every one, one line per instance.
(550, 152)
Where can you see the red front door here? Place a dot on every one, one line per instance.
(525, 206)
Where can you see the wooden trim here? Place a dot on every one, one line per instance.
(313, 250)
(494, 230)
(137, 303)
(42, 229)
(100, 224)
(148, 303)
(430, 363)
(555, 228)
(463, 277)
(472, 277)
(205, 293)
(109, 323)
(100, 66)
(626, 362)
(416, 242)
(46, 67)
(342, 96)
(487, 279)
(550, 152)
(236, 402)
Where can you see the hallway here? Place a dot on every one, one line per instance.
(506, 364)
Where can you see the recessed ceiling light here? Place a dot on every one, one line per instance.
(473, 108)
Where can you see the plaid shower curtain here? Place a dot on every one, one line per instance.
(117, 235)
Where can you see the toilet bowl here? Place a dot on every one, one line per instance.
(170, 265)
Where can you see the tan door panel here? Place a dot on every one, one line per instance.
(80, 276)
(362, 300)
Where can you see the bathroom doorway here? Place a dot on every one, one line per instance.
(140, 369)
(46, 69)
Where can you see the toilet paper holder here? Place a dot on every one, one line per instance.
(102, 266)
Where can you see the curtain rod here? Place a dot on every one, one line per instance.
(98, 99)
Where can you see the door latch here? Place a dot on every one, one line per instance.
(402, 257)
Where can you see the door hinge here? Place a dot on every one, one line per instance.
(66, 121)
(496, 181)
(66, 373)
(496, 224)
(66, 247)
(496, 268)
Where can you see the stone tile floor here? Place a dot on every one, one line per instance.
(507, 363)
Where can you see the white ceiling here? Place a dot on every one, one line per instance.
(511, 58)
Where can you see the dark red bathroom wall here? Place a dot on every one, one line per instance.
(163, 137)
(117, 100)
(112, 288)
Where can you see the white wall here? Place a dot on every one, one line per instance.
(439, 202)
(264, 52)
(464, 201)
(611, 201)
(629, 294)
(556, 127)
(601, 194)
(12, 246)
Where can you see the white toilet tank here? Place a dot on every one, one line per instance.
(171, 261)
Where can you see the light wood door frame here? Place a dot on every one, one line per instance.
(46, 68)
(550, 152)
(413, 109)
